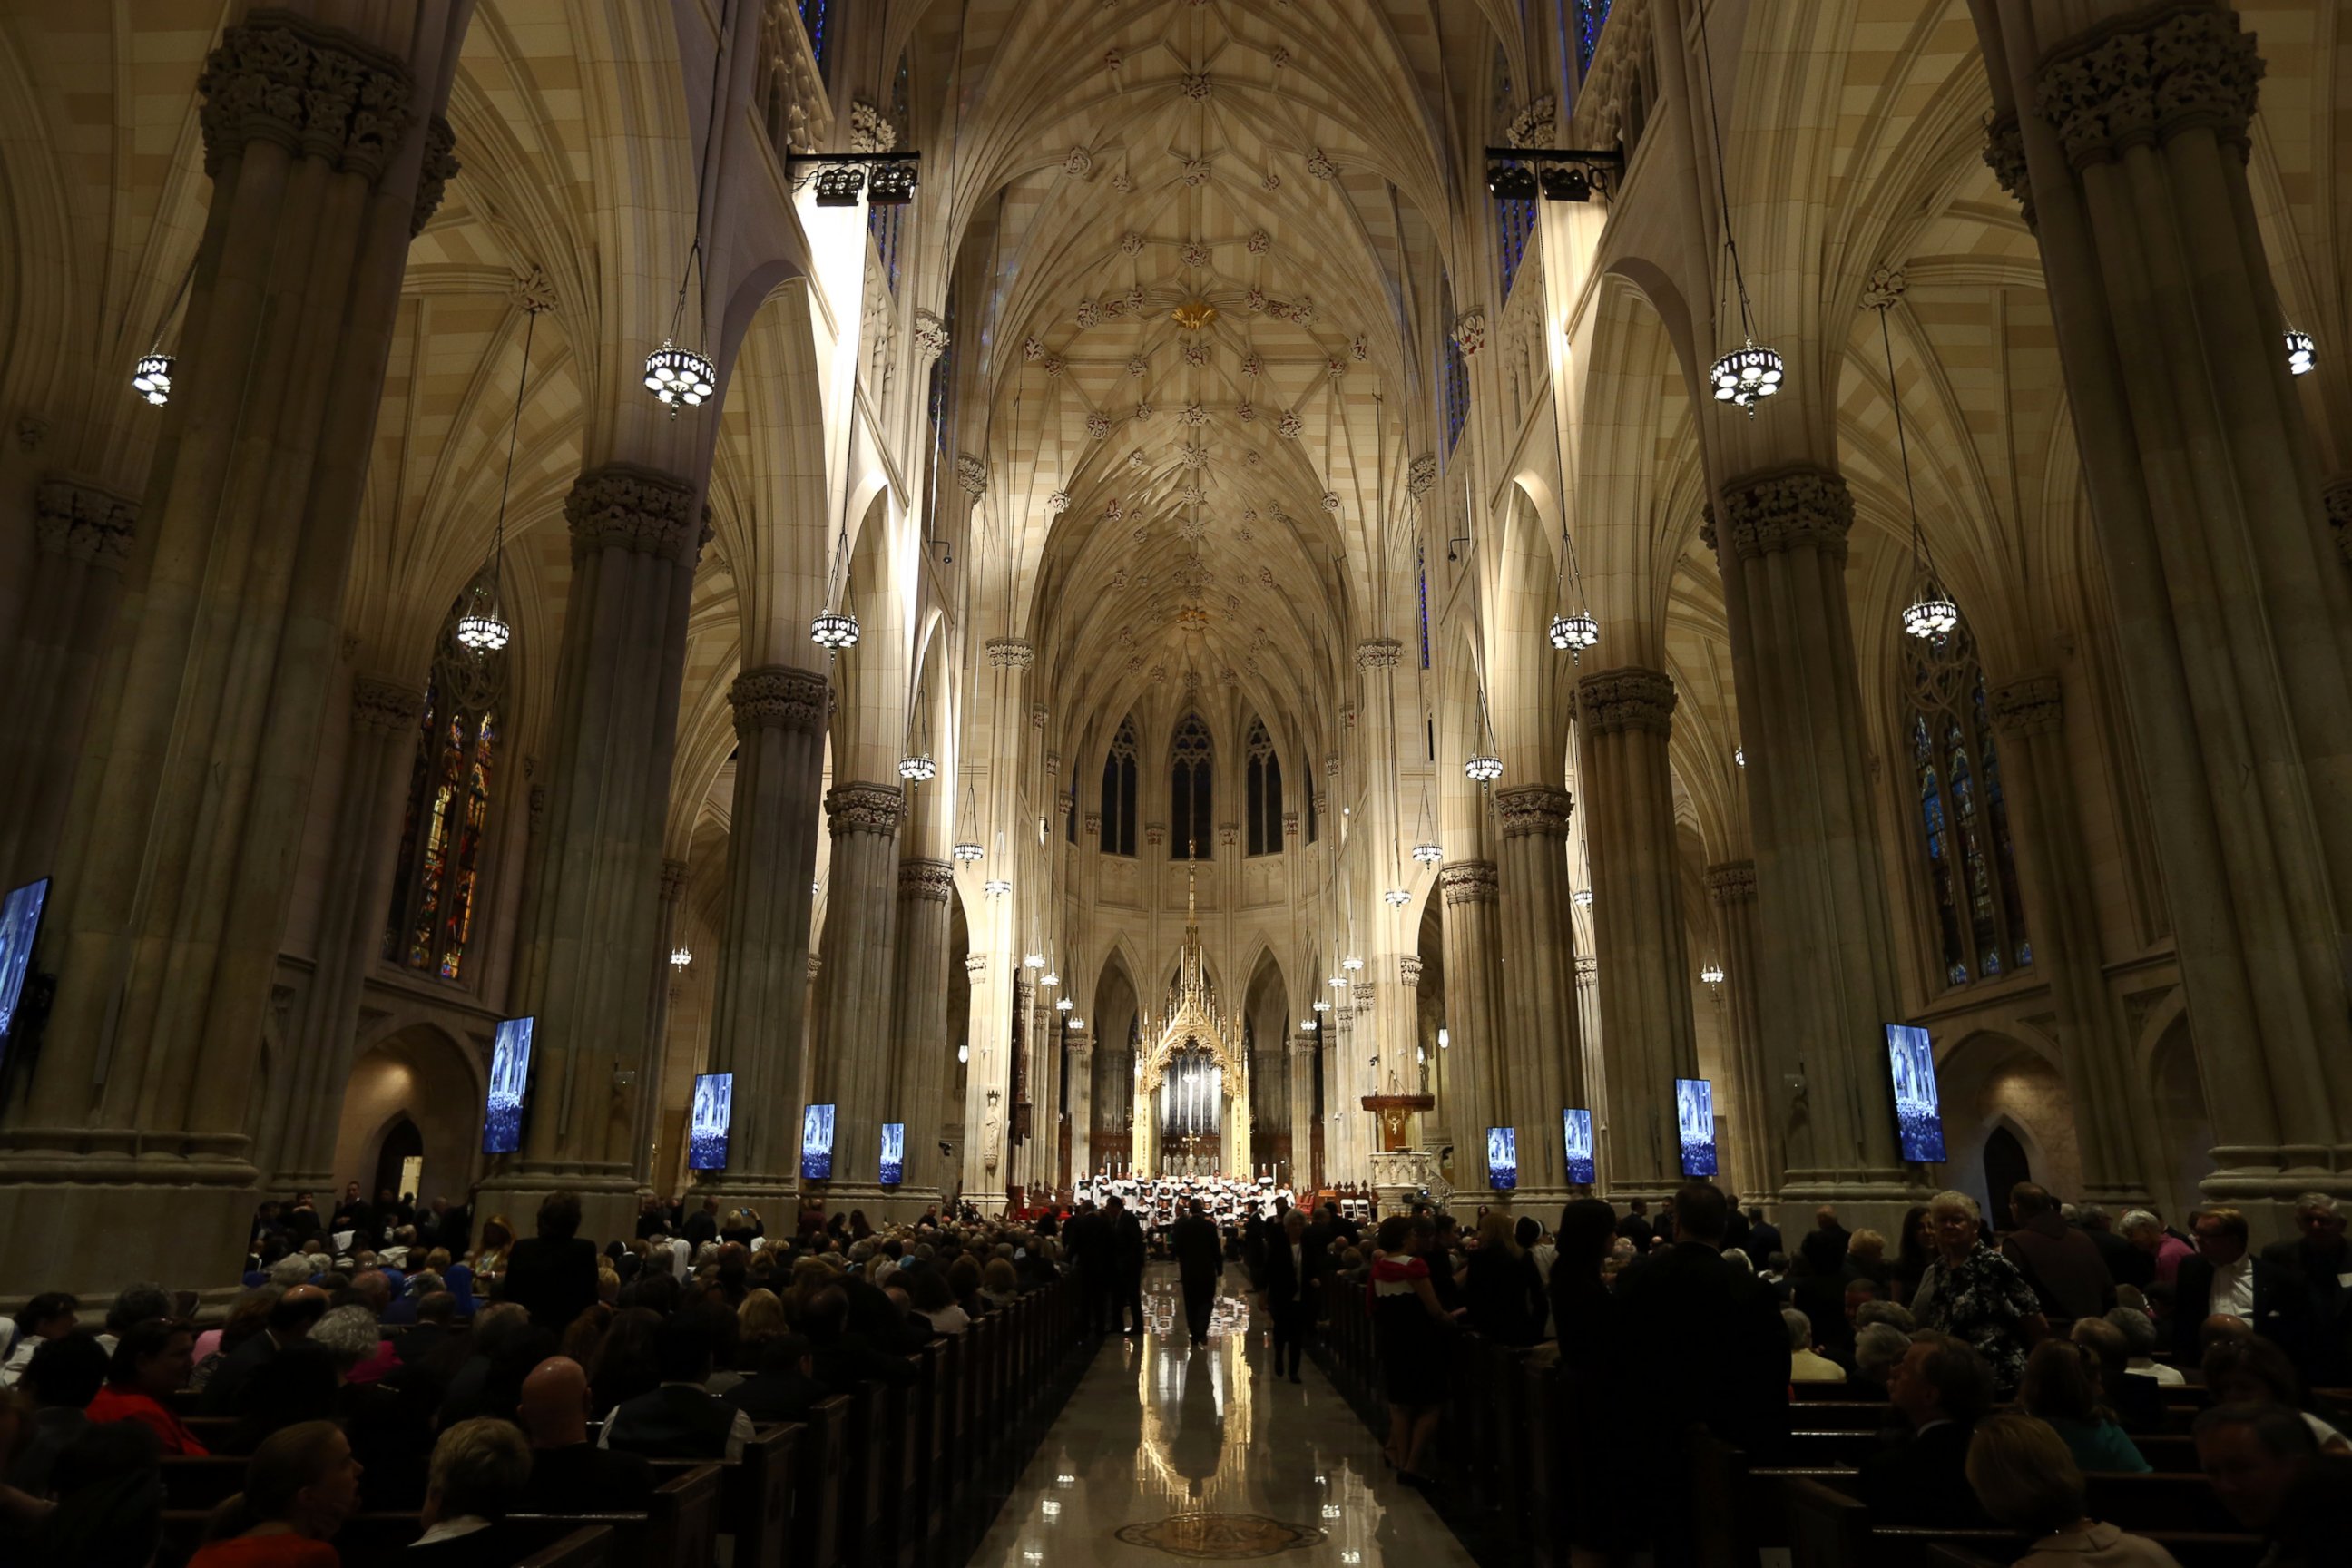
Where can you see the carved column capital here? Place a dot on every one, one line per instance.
(932, 881)
(622, 507)
(2339, 498)
(1732, 882)
(314, 90)
(1379, 653)
(815, 962)
(84, 522)
(1588, 970)
(1534, 809)
(2004, 155)
(2145, 76)
(1469, 882)
(433, 179)
(673, 880)
(861, 807)
(1627, 698)
(384, 707)
(1010, 653)
(975, 966)
(1409, 968)
(2030, 705)
(780, 697)
(1787, 509)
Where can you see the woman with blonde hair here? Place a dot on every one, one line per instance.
(1501, 1289)
(760, 1319)
(2025, 1478)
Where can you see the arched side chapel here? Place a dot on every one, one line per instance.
(1208, 460)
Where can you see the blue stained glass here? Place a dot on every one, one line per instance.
(1515, 222)
(1940, 868)
(1453, 375)
(812, 17)
(1590, 16)
(1421, 577)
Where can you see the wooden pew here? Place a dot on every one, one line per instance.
(679, 1528)
(588, 1548)
(862, 1473)
(756, 1494)
(819, 1468)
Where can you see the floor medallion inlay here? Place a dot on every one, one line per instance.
(1220, 1537)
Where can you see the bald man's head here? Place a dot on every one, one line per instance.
(554, 1404)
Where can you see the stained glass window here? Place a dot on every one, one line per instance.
(884, 220)
(1421, 590)
(1972, 880)
(1515, 221)
(1453, 376)
(1191, 818)
(1591, 15)
(1265, 791)
(813, 20)
(436, 891)
(1119, 792)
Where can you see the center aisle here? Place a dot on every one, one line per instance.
(1165, 1455)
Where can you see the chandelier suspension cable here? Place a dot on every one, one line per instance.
(151, 374)
(514, 435)
(686, 376)
(1752, 372)
(1931, 612)
(484, 626)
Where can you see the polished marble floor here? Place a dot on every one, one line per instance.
(1166, 1454)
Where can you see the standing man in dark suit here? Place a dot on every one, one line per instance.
(1293, 1272)
(1090, 1244)
(1126, 1269)
(552, 1275)
(1763, 1238)
(2309, 1293)
(1200, 1261)
(702, 1225)
(1712, 1336)
(2061, 1263)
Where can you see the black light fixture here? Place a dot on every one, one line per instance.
(838, 185)
(893, 185)
(1566, 182)
(1510, 182)
(1561, 174)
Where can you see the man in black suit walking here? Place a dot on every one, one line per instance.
(1125, 1270)
(1711, 1331)
(1293, 1272)
(1091, 1246)
(1200, 1260)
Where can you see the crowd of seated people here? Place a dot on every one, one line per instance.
(518, 1374)
(2012, 1363)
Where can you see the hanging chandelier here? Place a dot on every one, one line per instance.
(917, 768)
(1930, 613)
(1308, 1025)
(837, 628)
(1426, 849)
(680, 957)
(1352, 963)
(1033, 961)
(1712, 975)
(1574, 634)
(1482, 767)
(1321, 1005)
(679, 378)
(152, 378)
(1397, 897)
(996, 887)
(2302, 353)
(1752, 372)
(1583, 897)
(967, 846)
(1063, 1004)
(483, 627)
(1076, 1024)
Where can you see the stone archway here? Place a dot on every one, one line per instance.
(420, 1077)
(1991, 1081)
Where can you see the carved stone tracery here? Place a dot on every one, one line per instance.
(2144, 77)
(780, 697)
(1470, 882)
(84, 522)
(1534, 808)
(385, 707)
(1630, 698)
(1788, 509)
(1732, 882)
(314, 90)
(2031, 705)
(622, 507)
(932, 881)
(861, 807)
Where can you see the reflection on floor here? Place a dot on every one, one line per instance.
(1168, 1454)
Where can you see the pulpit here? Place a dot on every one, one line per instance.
(1395, 1114)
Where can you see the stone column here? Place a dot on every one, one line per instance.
(1646, 1036)
(635, 537)
(1757, 1165)
(1596, 1057)
(83, 534)
(2115, 1115)
(982, 1179)
(2126, 143)
(378, 764)
(926, 1057)
(175, 866)
(1041, 1151)
(1826, 960)
(1472, 890)
(1543, 1060)
(651, 1081)
(852, 1069)
(1082, 1108)
(1302, 1111)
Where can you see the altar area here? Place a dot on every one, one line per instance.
(1191, 1115)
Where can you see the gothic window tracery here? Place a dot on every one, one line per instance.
(1591, 17)
(884, 220)
(1265, 791)
(1515, 221)
(1192, 816)
(1979, 913)
(1119, 792)
(436, 891)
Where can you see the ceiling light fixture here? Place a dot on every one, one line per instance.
(837, 628)
(966, 844)
(1712, 975)
(1930, 613)
(680, 957)
(151, 376)
(1752, 372)
(483, 627)
(2302, 353)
